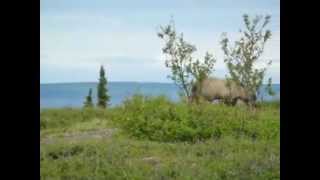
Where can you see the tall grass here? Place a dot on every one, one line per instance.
(121, 158)
(62, 118)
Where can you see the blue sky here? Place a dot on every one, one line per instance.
(77, 36)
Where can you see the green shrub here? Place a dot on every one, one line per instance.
(241, 144)
(122, 158)
(159, 119)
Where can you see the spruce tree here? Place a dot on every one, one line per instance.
(102, 94)
(88, 103)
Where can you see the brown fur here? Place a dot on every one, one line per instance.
(216, 89)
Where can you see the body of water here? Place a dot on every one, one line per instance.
(73, 94)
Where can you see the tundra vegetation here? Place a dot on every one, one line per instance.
(155, 138)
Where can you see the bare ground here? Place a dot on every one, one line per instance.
(79, 136)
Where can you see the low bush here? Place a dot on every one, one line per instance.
(241, 143)
(159, 119)
(122, 158)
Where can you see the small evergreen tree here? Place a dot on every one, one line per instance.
(102, 94)
(88, 103)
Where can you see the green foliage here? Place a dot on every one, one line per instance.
(157, 118)
(102, 94)
(185, 70)
(121, 158)
(88, 103)
(242, 57)
(170, 141)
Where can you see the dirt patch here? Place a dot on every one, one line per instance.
(80, 136)
(151, 160)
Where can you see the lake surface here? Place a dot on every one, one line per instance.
(73, 94)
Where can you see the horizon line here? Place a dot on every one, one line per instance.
(83, 82)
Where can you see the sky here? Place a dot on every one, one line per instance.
(78, 36)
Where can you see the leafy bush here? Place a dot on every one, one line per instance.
(159, 119)
(242, 57)
(185, 69)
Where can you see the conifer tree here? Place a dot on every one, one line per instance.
(102, 91)
(88, 103)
